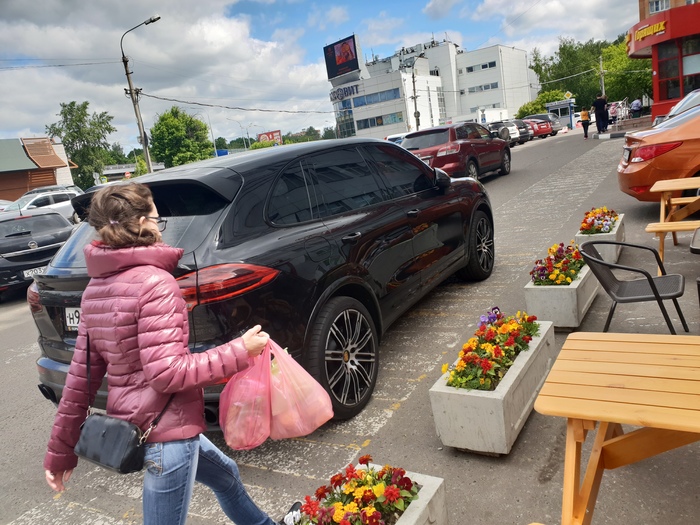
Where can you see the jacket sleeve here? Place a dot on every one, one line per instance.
(167, 363)
(72, 409)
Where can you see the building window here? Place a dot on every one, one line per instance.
(382, 120)
(441, 102)
(669, 71)
(691, 63)
(375, 98)
(470, 69)
(460, 71)
(435, 72)
(461, 92)
(484, 87)
(659, 5)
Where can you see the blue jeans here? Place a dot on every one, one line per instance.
(173, 467)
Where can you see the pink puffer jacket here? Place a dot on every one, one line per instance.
(137, 320)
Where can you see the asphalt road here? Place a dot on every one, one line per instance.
(553, 183)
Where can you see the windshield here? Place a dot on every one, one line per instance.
(36, 223)
(20, 203)
(428, 139)
(692, 99)
(684, 117)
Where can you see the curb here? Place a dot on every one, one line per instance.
(606, 136)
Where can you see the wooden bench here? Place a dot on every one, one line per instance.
(607, 380)
(660, 229)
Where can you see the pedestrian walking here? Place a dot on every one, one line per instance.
(599, 107)
(636, 108)
(585, 122)
(134, 319)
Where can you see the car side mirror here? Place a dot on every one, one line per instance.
(31, 207)
(442, 179)
(494, 134)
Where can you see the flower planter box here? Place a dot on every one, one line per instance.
(566, 305)
(490, 421)
(609, 253)
(430, 508)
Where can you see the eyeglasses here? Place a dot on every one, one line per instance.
(160, 221)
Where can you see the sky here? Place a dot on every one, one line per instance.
(248, 66)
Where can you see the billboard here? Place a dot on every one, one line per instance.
(271, 136)
(341, 57)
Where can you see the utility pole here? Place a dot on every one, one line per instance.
(602, 76)
(133, 93)
(416, 113)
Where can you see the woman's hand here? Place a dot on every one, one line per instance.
(56, 479)
(255, 340)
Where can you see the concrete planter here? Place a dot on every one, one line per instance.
(609, 253)
(430, 508)
(566, 305)
(490, 421)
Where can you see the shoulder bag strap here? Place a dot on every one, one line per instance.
(153, 424)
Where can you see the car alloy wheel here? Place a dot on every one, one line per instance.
(505, 163)
(481, 247)
(472, 170)
(343, 355)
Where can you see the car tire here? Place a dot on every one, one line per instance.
(343, 354)
(481, 247)
(505, 163)
(472, 170)
(554, 133)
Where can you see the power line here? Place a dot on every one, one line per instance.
(167, 99)
(9, 68)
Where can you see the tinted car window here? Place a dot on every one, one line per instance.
(402, 173)
(344, 182)
(60, 197)
(290, 201)
(41, 202)
(428, 139)
(462, 132)
(36, 223)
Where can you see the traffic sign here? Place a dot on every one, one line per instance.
(568, 94)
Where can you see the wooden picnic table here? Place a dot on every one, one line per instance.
(612, 379)
(675, 209)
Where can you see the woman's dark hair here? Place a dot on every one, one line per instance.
(115, 212)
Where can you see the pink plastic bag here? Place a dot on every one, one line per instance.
(299, 403)
(244, 405)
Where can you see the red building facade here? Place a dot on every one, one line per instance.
(671, 38)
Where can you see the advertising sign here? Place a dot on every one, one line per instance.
(271, 136)
(341, 57)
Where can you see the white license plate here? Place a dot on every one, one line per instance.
(626, 155)
(34, 271)
(72, 318)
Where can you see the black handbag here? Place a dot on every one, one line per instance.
(110, 442)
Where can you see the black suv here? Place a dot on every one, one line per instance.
(324, 244)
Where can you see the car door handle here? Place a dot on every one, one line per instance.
(351, 237)
(413, 213)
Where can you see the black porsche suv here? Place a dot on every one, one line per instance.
(324, 244)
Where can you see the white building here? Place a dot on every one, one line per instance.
(431, 84)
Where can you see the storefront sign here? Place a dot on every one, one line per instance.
(654, 29)
(344, 92)
(271, 136)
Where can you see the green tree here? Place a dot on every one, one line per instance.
(262, 144)
(238, 143)
(625, 77)
(221, 143)
(328, 133)
(178, 138)
(538, 105)
(84, 137)
(116, 155)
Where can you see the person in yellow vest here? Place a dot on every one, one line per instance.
(585, 122)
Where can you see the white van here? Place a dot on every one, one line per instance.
(396, 137)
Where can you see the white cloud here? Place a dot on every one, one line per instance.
(322, 17)
(437, 9)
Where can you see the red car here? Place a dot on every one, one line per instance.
(464, 149)
(541, 128)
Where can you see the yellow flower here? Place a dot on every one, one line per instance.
(349, 487)
(445, 367)
(370, 510)
(460, 366)
(359, 491)
(568, 280)
(351, 507)
(487, 347)
(552, 276)
(339, 511)
(481, 380)
(378, 489)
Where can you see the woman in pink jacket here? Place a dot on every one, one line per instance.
(136, 318)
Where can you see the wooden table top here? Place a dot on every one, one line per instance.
(644, 380)
(689, 183)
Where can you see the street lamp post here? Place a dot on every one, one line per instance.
(134, 94)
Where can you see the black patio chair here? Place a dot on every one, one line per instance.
(635, 290)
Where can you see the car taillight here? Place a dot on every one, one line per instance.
(33, 298)
(450, 149)
(222, 281)
(649, 152)
(639, 189)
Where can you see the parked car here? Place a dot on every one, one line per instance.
(55, 187)
(577, 117)
(524, 132)
(549, 117)
(4, 203)
(670, 150)
(324, 244)
(27, 243)
(505, 130)
(691, 100)
(59, 201)
(397, 138)
(464, 149)
(540, 128)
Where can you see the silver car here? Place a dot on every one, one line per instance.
(58, 201)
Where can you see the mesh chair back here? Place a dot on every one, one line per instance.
(600, 268)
